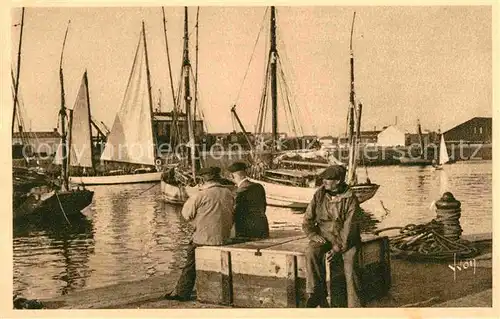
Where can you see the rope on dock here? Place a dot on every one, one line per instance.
(437, 240)
(430, 241)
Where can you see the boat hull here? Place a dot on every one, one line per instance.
(177, 194)
(173, 194)
(71, 202)
(30, 203)
(277, 195)
(299, 197)
(116, 179)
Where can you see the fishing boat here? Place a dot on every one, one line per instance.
(36, 193)
(295, 188)
(67, 198)
(131, 154)
(443, 155)
(284, 187)
(30, 190)
(180, 181)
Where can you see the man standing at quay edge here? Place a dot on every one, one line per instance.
(211, 212)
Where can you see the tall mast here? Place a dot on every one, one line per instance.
(85, 79)
(16, 83)
(352, 138)
(62, 115)
(21, 125)
(70, 137)
(196, 72)
(274, 90)
(150, 97)
(186, 64)
(173, 131)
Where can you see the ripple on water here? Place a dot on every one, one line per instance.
(130, 233)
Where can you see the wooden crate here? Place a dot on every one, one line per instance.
(271, 273)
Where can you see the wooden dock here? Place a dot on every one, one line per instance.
(412, 284)
(271, 273)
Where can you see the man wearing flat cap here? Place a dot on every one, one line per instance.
(211, 213)
(250, 218)
(331, 224)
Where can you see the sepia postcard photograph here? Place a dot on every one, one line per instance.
(228, 156)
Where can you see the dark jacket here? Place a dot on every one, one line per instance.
(335, 218)
(250, 211)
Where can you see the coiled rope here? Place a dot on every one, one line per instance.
(438, 239)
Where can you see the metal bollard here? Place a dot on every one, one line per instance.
(448, 214)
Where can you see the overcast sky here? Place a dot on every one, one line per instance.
(427, 63)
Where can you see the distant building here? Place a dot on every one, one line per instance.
(41, 143)
(477, 130)
(427, 138)
(328, 141)
(365, 138)
(162, 125)
(391, 136)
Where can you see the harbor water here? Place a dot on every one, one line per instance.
(129, 233)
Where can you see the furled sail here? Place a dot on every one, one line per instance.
(131, 137)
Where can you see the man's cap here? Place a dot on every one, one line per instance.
(237, 166)
(209, 171)
(335, 172)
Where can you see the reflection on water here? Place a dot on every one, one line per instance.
(408, 192)
(130, 233)
(53, 253)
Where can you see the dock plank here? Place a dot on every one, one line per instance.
(115, 295)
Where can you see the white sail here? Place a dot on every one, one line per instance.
(81, 135)
(58, 156)
(131, 137)
(443, 152)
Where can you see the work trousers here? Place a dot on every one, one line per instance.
(316, 273)
(185, 284)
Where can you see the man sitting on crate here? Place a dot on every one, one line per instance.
(210, 211)
(250, 218)
(330, 222)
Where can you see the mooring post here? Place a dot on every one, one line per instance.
(448, 211)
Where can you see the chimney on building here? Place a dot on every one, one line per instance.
(396, 121)
(20, 128)
(55, 129)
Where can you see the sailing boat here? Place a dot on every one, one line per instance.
(35, 193)
(66, 199)
(80, 133)
(180, 181)
(128, 143)
(295, 188)
(443, 155)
